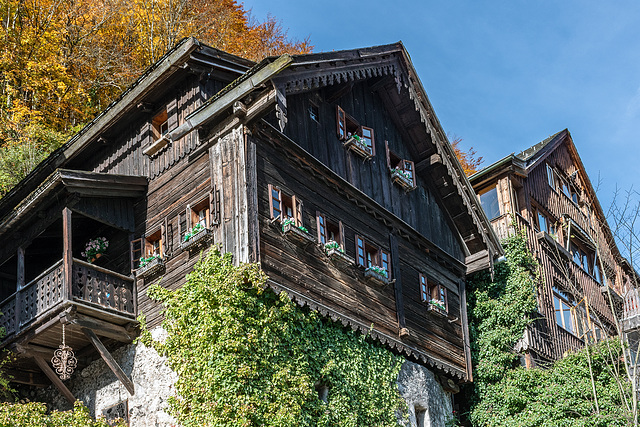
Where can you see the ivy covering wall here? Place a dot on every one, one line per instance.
(506, 394)
(246, 356)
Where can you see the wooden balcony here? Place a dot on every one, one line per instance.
(631, 311)
(506, 225)
(92, 289)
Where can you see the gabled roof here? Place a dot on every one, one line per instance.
(395, 80)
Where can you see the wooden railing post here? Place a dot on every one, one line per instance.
(19, 286)
(67, 255)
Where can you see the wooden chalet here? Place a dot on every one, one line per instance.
(546, 191)
(331, 170)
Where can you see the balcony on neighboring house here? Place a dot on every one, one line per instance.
(631, 311)
(45, 284)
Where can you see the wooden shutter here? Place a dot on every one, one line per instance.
(385, 261)
(297, 211)
(188, 218)
(408, 166)
(361, 256)
(321, 224)
(276, 190)
(342, 237)
(445, 297)
(135, 252)
(164, 240)
(423, 287)
(369, 138)
(386, 148)
(341, 120)
(172, 115)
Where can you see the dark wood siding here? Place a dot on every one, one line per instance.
(418, 208)
(307, 271)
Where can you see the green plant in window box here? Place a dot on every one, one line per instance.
(379, 270)
(404, 174)
(193, 231)
(437, 303)
(333, 245)
(146, 261)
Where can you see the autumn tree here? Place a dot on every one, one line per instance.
(470, 163)
(63, 61)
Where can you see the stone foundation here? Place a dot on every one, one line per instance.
(429, 405)
(99, 389)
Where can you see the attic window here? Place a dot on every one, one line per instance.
(359, 139)
(160, 125)
(402, 171)
(489, 202)
(314, 112)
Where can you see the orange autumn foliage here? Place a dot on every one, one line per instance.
(470, 163)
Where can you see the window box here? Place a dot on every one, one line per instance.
(195, 238)
(437, 307)
(358, 146)
(336, 254)
(293, 232)
(376, 276)
(149, 267)
(403, 179)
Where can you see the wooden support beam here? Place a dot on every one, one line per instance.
(44, 352)
(395, 270)
(109, 360)
(67, 255)
(54, 378)
(28, 378)
(105, 329)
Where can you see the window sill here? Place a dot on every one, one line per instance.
(358, 148)
(156, 146)
(292, 232)
(338, 256)
(398, 178)
(376, 278)
(199, 239)
(153, 267)
(432, 308)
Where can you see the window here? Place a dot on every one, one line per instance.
(369, 255)
(432, 291)
(160, 125)
(395, 162)
(551, 179)
(562, 306)
(347, 127)
(200, 214)
(489, 202)
(314, 112)
(546, 223)
(282, 206)
(153, 245)
(581, 255)
(329, 230)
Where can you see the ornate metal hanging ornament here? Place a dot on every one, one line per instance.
(63, 360)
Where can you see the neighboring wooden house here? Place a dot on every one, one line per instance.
(330, 170)
(546, 191)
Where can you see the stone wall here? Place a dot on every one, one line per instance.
(99, 389)
(429, 405)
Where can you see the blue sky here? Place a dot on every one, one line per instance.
(505, 75)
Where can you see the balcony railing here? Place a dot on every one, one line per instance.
(91, 286)
(631, 310)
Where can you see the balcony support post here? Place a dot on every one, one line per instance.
(54, 378)
(19, 286)
(109, 360)
(67, 255)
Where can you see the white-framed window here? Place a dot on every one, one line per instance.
(562, 306)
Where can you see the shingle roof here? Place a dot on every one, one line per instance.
(530, 154)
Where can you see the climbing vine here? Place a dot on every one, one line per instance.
(507, 394)
(247, 356)
(36, 415)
